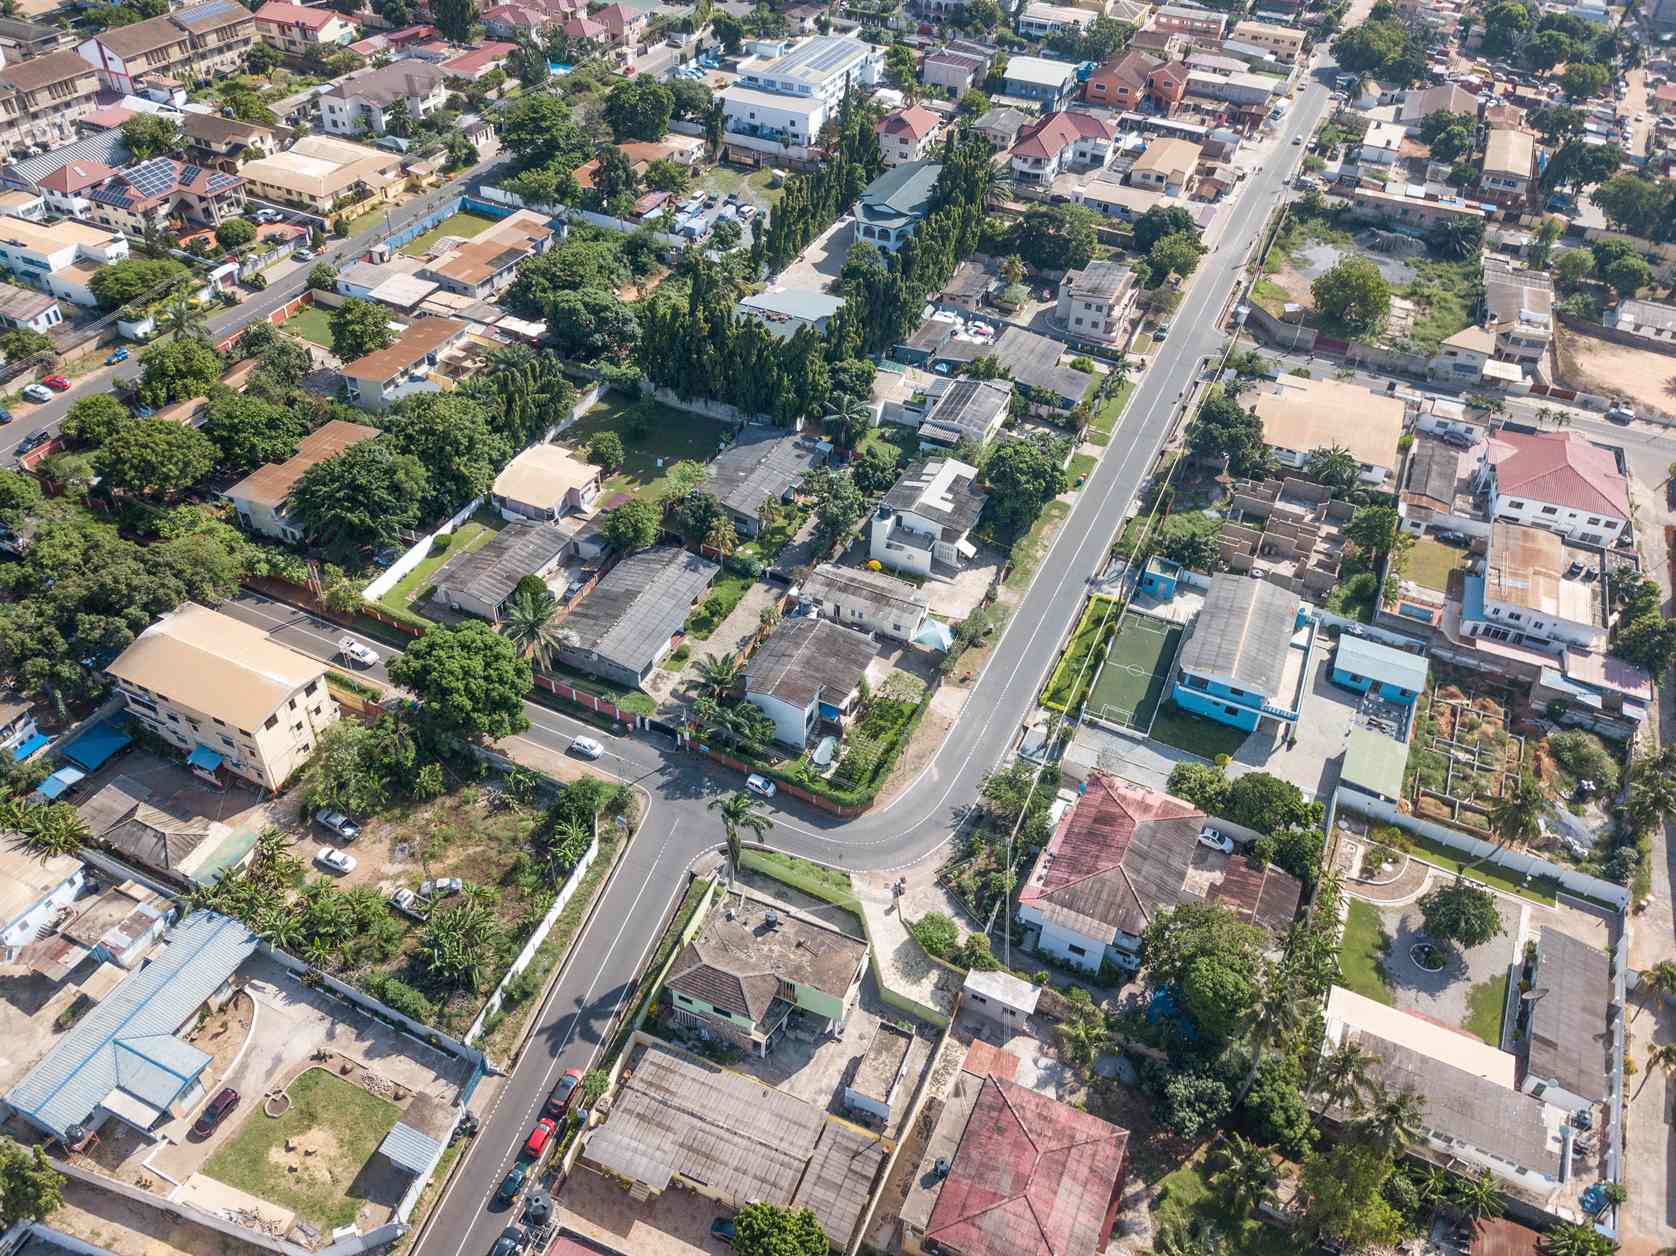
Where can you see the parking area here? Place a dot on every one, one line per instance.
(820, 263)
(1323, 728)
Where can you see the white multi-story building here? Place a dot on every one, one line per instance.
(1061, 142)
(60, 258)
(363, 103)
(788, 92)
(922, 523)
(1561, 481)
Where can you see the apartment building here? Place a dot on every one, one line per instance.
(163, 191)
(1509, 166)
(225, 142)
(234, 699)
(382, 378)
(1122, 83)
(1096, 301)
(191, 43)
(300, 31)
(1284, 43)
(21, 40)
(364, 102)
(906, 135)
(956, 70)
(787, 92)
(1519, 311)
(42, 100)
(60, 258)
(1039, 20)
(1189, 19)
(1561, 481)
(1168, 166)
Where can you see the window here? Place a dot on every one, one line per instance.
(1550, 510)
(1515, 505)
(978, 998)
(271, 722)
(1076, 950)
(1231, 710)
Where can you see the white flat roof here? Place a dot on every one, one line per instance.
(1040, 70)
(1447, 1046)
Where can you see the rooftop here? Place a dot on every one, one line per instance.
(1049, 136)
(811, 63)
(1373, 762)
(942, 491)
(1004, 988)
(26, 878)
(1571, 1025)
(1510, 152)
(879, 589)
(216, 664)
(763, 465)
(271, 485)
(385, 85)
(1040, 71)
(63, 234)
(281, 13)
(1123, 853)
(320, 166)
(104, 148)
(44, 71)
(543, 475)
(806, 660)
(745, 950)
(1381, 663)
(1515, 295)
(881, 1067)
(969, 408)
(1526, 568)
(123, 1054)
(1168, 156)
(901, 193)
(915, 121)
(490, 574)
(23, 304)
(1308, 414)
(1562, 468)
(416, 343)
(1243, 634)
(639, 604)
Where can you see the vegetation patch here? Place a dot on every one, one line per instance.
(1194, 734)
(651, 432)
(464, 223)
(1033, 546)
(1362, 954)
(1486, 1002)
(1077, 667)
(312, 323)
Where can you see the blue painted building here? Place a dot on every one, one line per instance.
(1160, 578)
(1363, 665)
(1246, 659)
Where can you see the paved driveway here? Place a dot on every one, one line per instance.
(1442, 996)
(1323, 728)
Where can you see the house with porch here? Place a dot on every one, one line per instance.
(1245, 657)
(806, 671)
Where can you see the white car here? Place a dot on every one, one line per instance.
(408, 904)
(37, 392)
(587, 747)
(331, 858)
(442, 887)
(357, 652)
(1216, 841)
(338, 823)
(759, 785)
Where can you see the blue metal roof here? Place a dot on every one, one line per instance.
(1383, 664)
(59, 781)
(127, 1042)
(92, 748)
(203, 757)
(29, 746)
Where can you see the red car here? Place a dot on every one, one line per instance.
(564, 1094)
(217, 1108)
(57, 383)
(537, 1142)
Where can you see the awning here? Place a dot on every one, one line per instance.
(410, 1149)
(966, 549)
(29, 746)
(935, 634)
(90, 750)
(61, 780)
(203, 757)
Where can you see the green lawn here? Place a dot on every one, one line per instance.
(1446, 293)
(892, 438)
(1075, 672)
(1430, 562)
(811, 878)
(649, 431)
(343, 1122)
(1104, 423)
(1187, 1194)
(1538, 890)
(635, 701)
(462, 224)
(312, 323)
(1194, 734)
(1033, 546)
(1485, 1003)
(750, 184)
(1082, 466)
(471, 535)
(1361, 955)
(718, 604)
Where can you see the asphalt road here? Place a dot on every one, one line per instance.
(598, 974)
(255, 307)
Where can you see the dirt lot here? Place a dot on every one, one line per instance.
(129, 1229)
(1589, 364)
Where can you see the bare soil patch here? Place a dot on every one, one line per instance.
(1590, 364)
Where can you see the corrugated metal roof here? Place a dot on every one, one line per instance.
(126, 1043)
(1373, 763)
(407, 1148)
(639, 604)
(1571, 1036)
(1242, 634)
(1382, 663)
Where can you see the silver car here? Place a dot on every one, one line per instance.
(338, 823)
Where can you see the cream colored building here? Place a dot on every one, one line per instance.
(320, 171)
(1300, 416)
(1285, 42)
(225, 693)
(42, 100)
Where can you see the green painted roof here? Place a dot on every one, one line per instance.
(1373, 763)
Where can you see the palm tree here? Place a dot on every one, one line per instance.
(847, 420)
(184, 318)
(739, 810)
(722, 536)
(1343, 1078)
(1190, 1236)
(719, 673)
(527, 622)
(1335, 467)
(1661, 1056)
(1615, 1193)
(272, 859)
(1476, 1199)
(1514, 817)
(56, 830)
(1393, 1120)
(1435, 1185)
(15, 815)
(1246, 1175)
(1659, 980)
(1570, 1239)
(282, 928)
(995, 186)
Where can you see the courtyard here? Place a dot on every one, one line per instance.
(654, 437)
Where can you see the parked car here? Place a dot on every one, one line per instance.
(57, 383)
(760, 785)
(442, 887)
(512, 1185)
(33, 441)
(1297, 140)
(1459, 440)
(338, 823)
(356, 652)
(1216, 840)
(587, 747)
(121, 355)
(1162, 332)
(510, 1242)
(536, 1143)
(214, 1110)
(409, 904)
(721, 1229)
(5, 416)
(303, 255)
(564, 1094)
(1449, 536)
(334, 860)
(36, 393)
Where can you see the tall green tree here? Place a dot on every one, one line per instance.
(469, 680)
(155, 457)
(359, 327)
(763, 1229)
(30, 1188)
(361, 498)
(738, 812)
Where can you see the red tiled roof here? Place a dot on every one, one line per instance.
(916, 120)
(277, 11)
(1560, 468)
(75, 176)
(1031, 1177)
(108, 118)
(1130, 69)
(583, 28)
(617, 17)
(1665, 91)
(479, 58)
(1049, 137)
